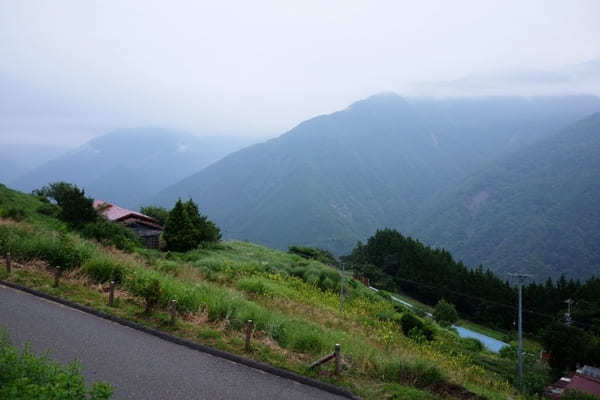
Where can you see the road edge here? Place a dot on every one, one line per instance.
(284, 373)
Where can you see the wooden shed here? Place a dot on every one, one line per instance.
(146, 227)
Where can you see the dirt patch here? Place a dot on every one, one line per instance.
(454, 391)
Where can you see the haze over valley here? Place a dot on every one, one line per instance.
(317, 127)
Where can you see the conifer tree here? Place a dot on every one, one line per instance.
(186, 228)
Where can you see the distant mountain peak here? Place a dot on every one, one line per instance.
(383, 99)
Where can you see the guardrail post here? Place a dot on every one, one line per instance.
(57, 275)
(173, 311)
(111, 293)
(337, 359)
(249, 327)
(8, 262)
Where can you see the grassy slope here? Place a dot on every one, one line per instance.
(293, 302)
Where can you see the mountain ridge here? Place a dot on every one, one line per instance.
(335, 179)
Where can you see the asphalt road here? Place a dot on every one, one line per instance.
(138, 365)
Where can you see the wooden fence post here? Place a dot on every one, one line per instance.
(111, 293)
(249, 327)
(337, 359)
(57, 275)
(173, 311)
(8, 262)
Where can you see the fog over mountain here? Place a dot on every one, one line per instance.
(128, 166)
(336, 178)
(478, 81)
(568, 79)
(535, 210)
(17, 159)
(75, 70)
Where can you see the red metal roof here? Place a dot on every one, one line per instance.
(585, 384)
(115, 213)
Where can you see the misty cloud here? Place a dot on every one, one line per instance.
(72, 70)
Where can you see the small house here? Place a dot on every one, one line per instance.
(586, 380)
(146, 227)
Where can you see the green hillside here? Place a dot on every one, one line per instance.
(336, 178)
(535, 211)
(294, 303)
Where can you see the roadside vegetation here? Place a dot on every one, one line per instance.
(389, 352)
(26, 376)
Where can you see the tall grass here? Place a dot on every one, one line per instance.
(57, 249)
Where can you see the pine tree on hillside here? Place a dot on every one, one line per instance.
(186, 228)
(179, 229)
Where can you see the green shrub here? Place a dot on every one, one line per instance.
(103, 269)
(508, 352)
(75, 209)
(65, 252)
(471, 344)
(16, 214)
(111, 234)
(317, 275)
(414, 327)
(148, 288)
(24, 376)
(390, 315)
(49, 209)
(313, 253)
(444, 313)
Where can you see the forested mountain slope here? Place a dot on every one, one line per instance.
(336, 178)
(535, 211)
(128, 166)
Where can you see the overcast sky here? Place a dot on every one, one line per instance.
(74, 69)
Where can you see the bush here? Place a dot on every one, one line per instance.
(75, 209)
(414, 327)
(111, 234)
(471, 344)
(324, 278)
(25, 376)
(508, 352)
(444, 313)
(390, 315)
(103, 269)
(49, 209)
(148, 288)
(16, 214)
(313, 253)
(64, 253)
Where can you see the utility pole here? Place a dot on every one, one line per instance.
(342, 288)
(521, 278)
(568, 314)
